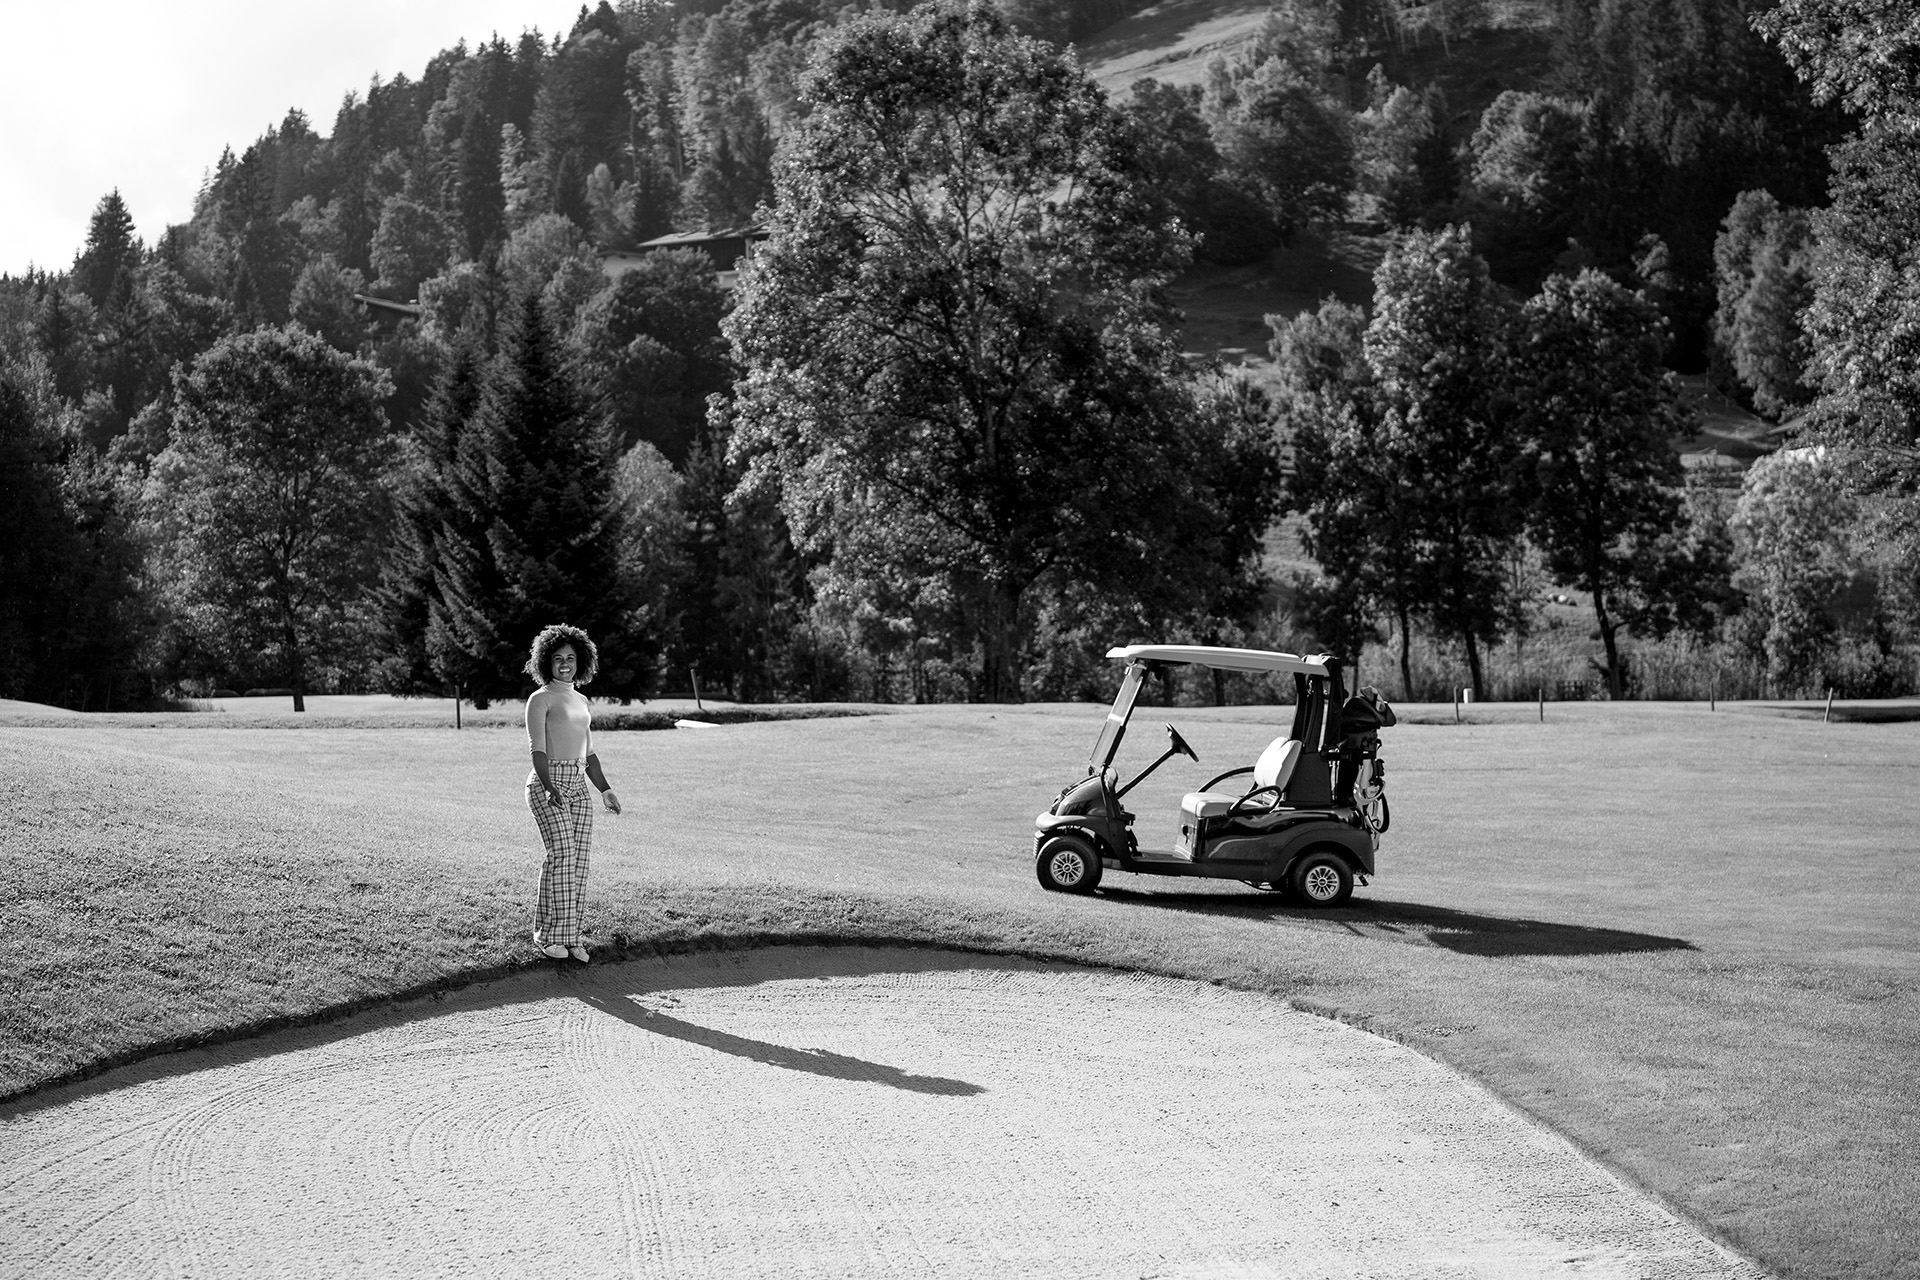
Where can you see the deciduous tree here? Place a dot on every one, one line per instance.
(271, 487)
(1434, 347)
(1285, 142)
(1864, 322)
(1793, 557)
(651, 347)
(953, 341)
(323, 301)
(1344, 482)
(1761, 268)
(411, 245)
(1598, 411)
(1181, 167)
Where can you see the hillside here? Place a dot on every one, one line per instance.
(1175, 41)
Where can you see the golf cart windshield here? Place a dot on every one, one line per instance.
(1140, 659)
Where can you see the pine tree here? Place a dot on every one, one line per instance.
(265, 253)
(60, 326)
(536, 470)
(104, 269)
(423, 506)
(701, 639)
(570, 192)
(481, 201)
(72, 614)
(353, 210)
(36, 538)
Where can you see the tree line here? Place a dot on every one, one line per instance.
(941, 443)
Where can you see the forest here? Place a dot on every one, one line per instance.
(401, 392)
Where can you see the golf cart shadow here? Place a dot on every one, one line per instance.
(1415, 924)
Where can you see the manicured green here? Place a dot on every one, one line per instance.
(1686, 940)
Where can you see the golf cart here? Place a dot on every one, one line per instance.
(1307, 825)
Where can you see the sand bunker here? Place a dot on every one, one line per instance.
(815, 1112)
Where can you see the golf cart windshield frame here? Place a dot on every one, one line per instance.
(1310, 719)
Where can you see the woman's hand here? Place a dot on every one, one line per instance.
(553, 797)
(611, 800)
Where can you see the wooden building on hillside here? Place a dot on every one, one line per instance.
(726, 249)
(385, 310)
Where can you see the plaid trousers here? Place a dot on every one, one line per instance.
(567, 831)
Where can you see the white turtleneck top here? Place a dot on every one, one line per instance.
(559, 722)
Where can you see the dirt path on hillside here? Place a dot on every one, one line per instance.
(821, 1112)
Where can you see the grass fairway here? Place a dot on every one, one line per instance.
(1686, 940)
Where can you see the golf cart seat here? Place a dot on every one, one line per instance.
(1273, 769)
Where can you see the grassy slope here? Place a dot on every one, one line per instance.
(1685, 940)
(1173, 42)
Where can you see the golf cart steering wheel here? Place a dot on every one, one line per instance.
(1180, 744)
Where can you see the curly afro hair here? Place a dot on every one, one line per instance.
(540, 660)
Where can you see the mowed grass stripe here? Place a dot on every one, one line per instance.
(1685, 940)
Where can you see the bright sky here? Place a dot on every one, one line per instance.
(143, 94)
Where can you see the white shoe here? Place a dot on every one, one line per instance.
(578, 953)
(554, 951)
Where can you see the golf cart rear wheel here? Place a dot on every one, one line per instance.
(1068, 864)
(1321, 879)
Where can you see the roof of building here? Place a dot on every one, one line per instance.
(689, 240)
(408, 309)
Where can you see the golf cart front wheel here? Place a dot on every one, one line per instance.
(1068, 864)
(1321, 880)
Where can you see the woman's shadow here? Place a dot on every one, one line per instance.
(819, 1062)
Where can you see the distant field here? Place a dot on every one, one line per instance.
(1175, 40)
(1171, 42)
(1685, 940)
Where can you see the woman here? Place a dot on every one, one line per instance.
(560, 733)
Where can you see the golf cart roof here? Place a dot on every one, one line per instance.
(1224, 659)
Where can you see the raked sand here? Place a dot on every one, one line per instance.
(815, 1112)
